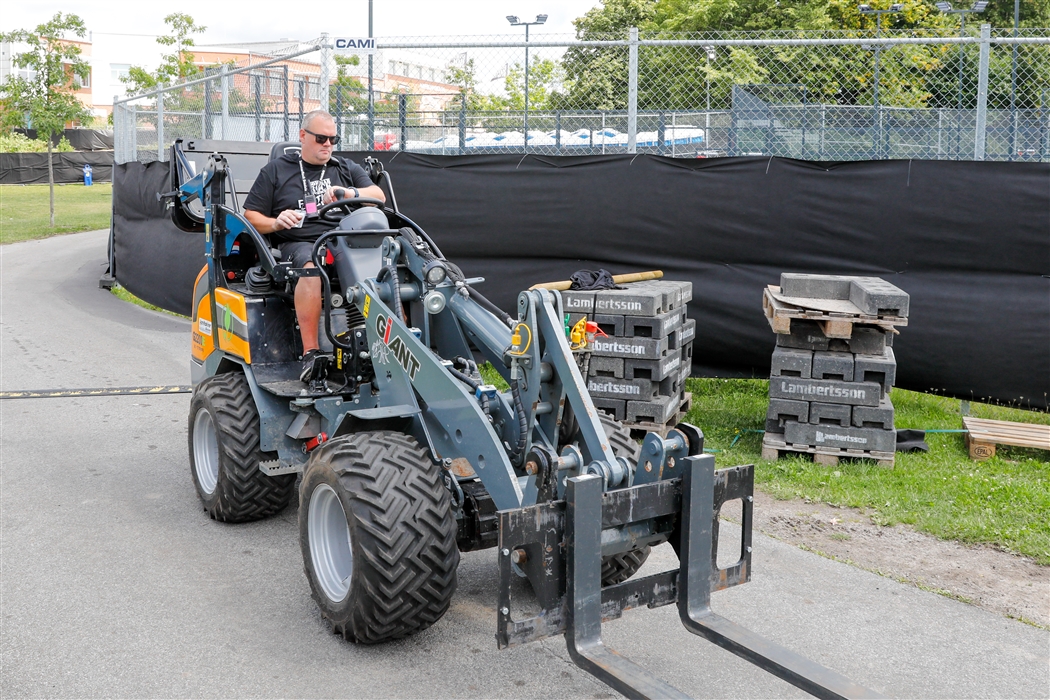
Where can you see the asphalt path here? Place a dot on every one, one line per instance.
(115, 583)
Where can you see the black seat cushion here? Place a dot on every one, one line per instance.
(279, 149)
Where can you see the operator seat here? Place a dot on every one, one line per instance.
(279, 149)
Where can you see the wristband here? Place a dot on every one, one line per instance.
(357, 193)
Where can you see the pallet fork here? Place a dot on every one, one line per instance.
(581, 518)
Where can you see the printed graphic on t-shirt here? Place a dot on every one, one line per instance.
(317, 189)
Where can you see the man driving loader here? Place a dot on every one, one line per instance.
(284, 201)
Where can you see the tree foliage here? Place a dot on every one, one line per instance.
(176, 66)
(686, 77)
(46, 100)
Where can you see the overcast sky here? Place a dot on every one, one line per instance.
(265, 21)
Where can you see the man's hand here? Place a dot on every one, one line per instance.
(333, 194)
(289, 218)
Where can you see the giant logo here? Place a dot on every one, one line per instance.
(398, 347)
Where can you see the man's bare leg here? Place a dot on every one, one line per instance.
(308, 309)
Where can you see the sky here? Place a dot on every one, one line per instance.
(268, 20)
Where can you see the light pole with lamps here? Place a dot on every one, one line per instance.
(866, 9)
(946, 8)
(514, 22)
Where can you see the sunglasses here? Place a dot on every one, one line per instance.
(321, 138)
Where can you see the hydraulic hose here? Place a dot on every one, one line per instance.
(395, 284)
(523, 422)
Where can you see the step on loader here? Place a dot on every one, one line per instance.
(408, 457)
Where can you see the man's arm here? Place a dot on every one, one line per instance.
(288, 218)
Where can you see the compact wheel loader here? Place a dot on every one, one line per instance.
(408, 457)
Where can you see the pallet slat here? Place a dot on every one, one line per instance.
(984, 434)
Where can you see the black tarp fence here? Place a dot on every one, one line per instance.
(31, 168)
(969, 241)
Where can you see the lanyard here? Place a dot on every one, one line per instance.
(306, 187)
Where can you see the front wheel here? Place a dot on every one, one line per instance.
(378, 536)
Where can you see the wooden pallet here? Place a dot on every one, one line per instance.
(773, 449)
(983, 435)
(834, 324)
(638, 430)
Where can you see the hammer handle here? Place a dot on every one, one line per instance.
(618, 279)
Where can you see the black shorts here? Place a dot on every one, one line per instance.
(296, 252)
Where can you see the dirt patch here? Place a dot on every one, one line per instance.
(1004, 583)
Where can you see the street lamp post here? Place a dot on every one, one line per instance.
(869, 10)
(514, 22)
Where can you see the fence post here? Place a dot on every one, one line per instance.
(207, 130)
(119, 156)
(980, 129)
(661, 134)
(258, 106)
(402, 119)
(632, 94)
(462, 130)
(225, 101)
(326, 58)
(160, 123)
(557, 130)
(302, 98)
(133, 128)
(284, 90)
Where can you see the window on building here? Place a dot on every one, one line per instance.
(84, 82)
(277, 83)
(313, 86)
(118, 71)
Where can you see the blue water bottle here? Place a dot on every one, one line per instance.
(87, 175)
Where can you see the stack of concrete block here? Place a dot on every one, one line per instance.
(830, 396)
(637, 369)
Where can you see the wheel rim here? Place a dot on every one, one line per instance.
(330, 550)
(205, 451)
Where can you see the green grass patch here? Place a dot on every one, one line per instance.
(24, 210)
(1003, 501)
(124, 295)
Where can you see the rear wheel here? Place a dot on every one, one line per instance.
(378, 536)
(225, 454)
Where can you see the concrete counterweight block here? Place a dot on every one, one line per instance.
(577, 302)
(881, 369)
(653, 370)
(659, 410)
(832, 436)
(783, 410)
(655, 326)
(825, 391)
(607, 367)
(609, 324)
(805, 335)
(829, 414)
(793, 284)
(791, 362)
(833, 365)
(877, 297)
(617, 408)
(880, 417)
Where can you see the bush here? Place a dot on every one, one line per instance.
(15, 142)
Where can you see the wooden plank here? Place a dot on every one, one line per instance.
(984, 434)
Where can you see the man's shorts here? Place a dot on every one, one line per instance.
(296, 252)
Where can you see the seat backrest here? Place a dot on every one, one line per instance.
(279, 149)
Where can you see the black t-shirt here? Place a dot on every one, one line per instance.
(279, 186)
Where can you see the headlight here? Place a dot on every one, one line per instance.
(435, 273)
(434, 302)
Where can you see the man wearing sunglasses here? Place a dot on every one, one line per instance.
(284, 200)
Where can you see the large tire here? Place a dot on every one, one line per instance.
(225, 454)
(617, 568)
(378, 536)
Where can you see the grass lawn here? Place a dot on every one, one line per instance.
(1003, 501)
(24, 210)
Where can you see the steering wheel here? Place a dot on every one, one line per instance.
(347, 205)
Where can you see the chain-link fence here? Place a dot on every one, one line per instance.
(833, 96)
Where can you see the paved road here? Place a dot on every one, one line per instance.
(115, 582)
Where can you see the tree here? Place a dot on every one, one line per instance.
(46, 101)
(175, 66)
